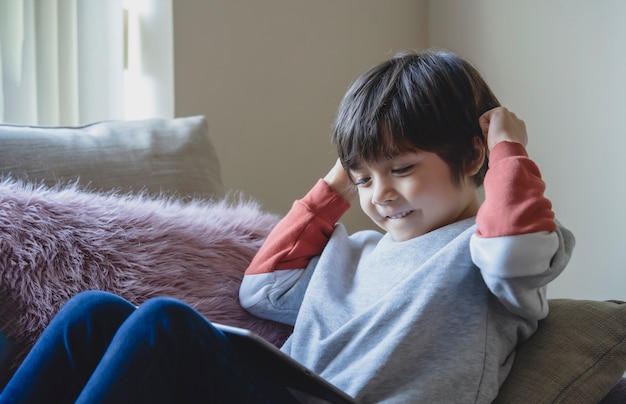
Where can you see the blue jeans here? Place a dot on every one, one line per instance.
(100, 348)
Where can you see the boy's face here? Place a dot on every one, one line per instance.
(413, 193)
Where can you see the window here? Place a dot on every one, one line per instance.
(71, 62)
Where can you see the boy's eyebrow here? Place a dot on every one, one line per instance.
(358, 165)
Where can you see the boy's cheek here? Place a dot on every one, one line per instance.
(362, 202)
(367, 207)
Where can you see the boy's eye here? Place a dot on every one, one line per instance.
(359, 182)
(402, 170)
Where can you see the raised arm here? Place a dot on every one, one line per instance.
(514, 191)
(518, 245)
(275, 281)
(302, 233)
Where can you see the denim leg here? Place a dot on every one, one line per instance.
(166, 352)
(69, 349)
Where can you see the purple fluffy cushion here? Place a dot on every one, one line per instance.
(56, 242)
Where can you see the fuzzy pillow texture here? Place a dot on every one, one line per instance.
(58, 241)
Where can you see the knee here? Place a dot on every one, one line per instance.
(170, 313)
(96, 301)
(78, 317)
(163, 307)
(89, 296)
(94, 298)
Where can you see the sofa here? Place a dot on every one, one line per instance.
(138, 208)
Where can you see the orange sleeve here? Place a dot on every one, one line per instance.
(514, 195)
(303, 233)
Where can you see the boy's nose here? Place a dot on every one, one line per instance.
(383, 193)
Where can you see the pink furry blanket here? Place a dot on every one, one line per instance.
(56, 242)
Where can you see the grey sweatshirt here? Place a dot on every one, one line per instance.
(432, 319)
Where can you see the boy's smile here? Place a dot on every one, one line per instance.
(413, 193)
(400, 215)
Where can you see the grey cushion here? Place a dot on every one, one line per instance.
(154, 156)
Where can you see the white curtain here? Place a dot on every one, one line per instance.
(149, 74)
(62, 61)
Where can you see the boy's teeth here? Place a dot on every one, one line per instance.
(400, 215)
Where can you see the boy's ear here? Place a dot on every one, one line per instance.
(473, 166)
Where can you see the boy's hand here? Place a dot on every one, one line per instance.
(340, 182)
(499, 124)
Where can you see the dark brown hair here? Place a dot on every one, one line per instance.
(429, 100)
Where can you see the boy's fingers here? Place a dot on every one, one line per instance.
(484, 120)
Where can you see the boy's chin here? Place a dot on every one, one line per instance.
(399, 232)
(399, 235)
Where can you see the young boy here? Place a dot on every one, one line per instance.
(432, 310)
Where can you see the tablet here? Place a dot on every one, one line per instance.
(305, 385)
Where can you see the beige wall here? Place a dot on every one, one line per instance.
(561, 66)
(269, 76)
